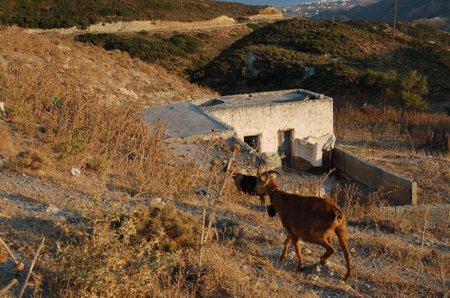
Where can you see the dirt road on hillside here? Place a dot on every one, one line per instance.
(158, 26)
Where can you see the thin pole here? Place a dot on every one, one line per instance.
(395, 20)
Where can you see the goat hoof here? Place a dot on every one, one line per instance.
(324, 262)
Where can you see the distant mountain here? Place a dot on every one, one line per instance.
(82, 13)
(408, 10)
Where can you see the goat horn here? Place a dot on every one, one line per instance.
(267, 175)
(273, 172)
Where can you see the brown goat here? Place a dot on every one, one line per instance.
(312, 219)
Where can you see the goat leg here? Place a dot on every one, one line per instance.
(342, 234)
(298, 250)
(330, 250)
(285, 249)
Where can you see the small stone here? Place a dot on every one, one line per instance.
(349, 288)
(353, 250)
(52, 209)
(75, 172)
(314, 277)
(307, 251)
(317, 269)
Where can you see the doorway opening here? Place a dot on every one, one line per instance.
(285, 138)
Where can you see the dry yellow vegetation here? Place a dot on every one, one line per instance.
(131, 224)
(61, 65)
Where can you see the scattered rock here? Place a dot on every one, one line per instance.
(75, 172)
(314, 277)
(349, 288)
(52, 209)
(157, 202)
(317, 269)
(203, 190)
(352, 250)
(307, 251)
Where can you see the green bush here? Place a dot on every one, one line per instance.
(82, 13)
(406, 90)
(138, 46)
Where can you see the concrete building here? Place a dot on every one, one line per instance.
(292, 128)
(295, 125)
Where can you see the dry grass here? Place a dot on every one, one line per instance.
(117, 246)
(7, 145)
(420, 152)
(131, 257)
(67, 121)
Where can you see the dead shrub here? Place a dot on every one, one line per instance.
(7, 146)
(133, 259)
(178, 230)
(84, 131)
(33, 160)
(99, 164)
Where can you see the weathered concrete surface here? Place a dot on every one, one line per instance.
(184, 120)
(397, 187)
(265, 113)
(434, 215)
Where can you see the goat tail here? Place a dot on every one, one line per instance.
(339, 216)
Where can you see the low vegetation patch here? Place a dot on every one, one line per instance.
(339, 53)
(171, 52)
(59, 13)
(133, 256)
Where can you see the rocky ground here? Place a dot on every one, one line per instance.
(407, 261)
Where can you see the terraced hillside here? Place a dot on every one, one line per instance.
(329, 57)
(62, 13)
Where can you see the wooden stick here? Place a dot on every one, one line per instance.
(9, 251)
(11, 284)
(202, 237)
(22, 290)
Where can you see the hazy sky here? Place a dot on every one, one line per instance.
(269, 2)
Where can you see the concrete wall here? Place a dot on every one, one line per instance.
(395, 186)
(313, 117)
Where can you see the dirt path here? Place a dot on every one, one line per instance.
(155, 26)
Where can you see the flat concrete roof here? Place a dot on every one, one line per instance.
(260, 98)
(184, 120)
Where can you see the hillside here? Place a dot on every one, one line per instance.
(132, 224)
(61, 13)
(105, 76)
(181, 53)
(408, 10)
(338, 54)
